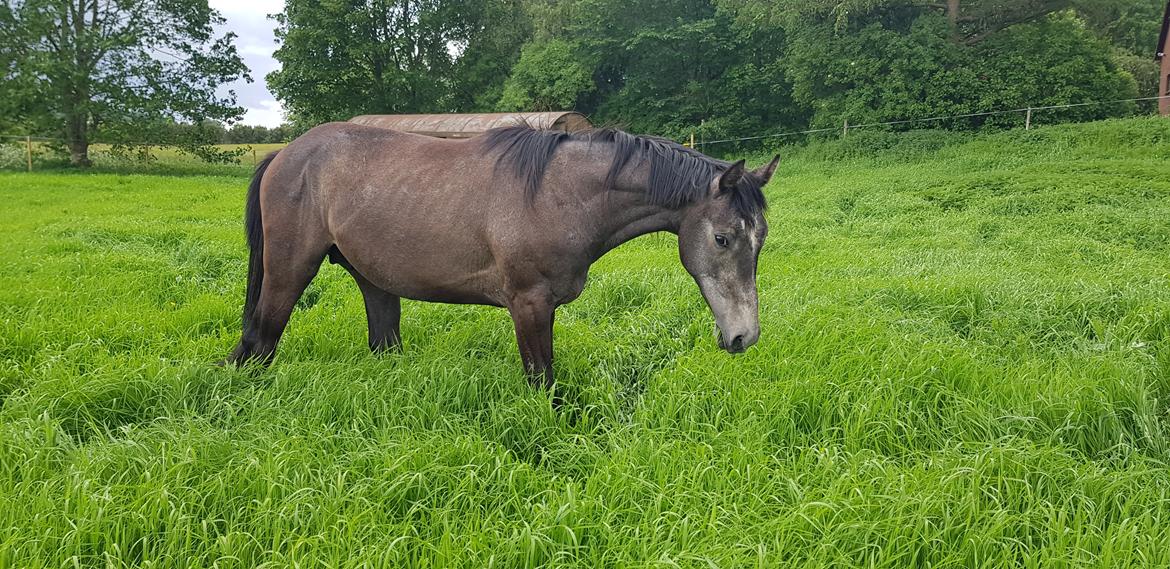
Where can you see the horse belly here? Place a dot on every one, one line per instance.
(472, 288)
(460, 277)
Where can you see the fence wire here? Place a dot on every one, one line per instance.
(846, 127)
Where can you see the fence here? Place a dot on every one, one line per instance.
(27, 152)
(844, 129)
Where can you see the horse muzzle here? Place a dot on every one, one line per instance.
(739, 343)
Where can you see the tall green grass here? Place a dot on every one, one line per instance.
(965, 361)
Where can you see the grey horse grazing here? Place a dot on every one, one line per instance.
(511, 218)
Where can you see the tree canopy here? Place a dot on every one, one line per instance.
(341, 58)
(715, 68)
(151, 70)
(127, 69)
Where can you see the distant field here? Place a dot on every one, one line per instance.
(170, 157)
(965, 361)
(261, 150)
(162, 160)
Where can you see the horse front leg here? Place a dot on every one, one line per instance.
(533, 314)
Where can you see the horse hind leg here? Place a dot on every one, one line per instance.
(288, 270)
(383, 310)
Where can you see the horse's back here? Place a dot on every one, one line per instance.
(347, 144)
(347, 132)
(345, 161)
(389, 200)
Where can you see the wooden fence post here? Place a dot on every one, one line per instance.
(254, 163)
(845, 131)
(1028, 120)
(28, 151)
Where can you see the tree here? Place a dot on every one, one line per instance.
(1128, 24)
(679, 65)
(496, 30)
(714, 68)
(11, 83)
(886, 60)
(1132, 27)
(549, 76)
(123, 68)
(342, 58)
(970, 21)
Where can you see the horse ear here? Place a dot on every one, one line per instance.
(765, 172)
(731, 177)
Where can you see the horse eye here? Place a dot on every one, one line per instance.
(720, 240)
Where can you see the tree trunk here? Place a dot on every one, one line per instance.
(75, 84)
(953, 19)
(77, 139)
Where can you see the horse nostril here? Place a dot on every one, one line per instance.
(737, 344)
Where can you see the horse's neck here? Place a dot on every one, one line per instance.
(615, 216)
(629, 214)
(634, 220)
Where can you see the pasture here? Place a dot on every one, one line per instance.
(964, 361)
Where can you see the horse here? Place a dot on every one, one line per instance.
(512, 218)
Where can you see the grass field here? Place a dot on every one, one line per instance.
(965, 361)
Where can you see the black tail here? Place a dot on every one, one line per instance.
(254, 230)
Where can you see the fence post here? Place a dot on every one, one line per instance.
(692, 140)
(254, 157)
(28, 151)
(1028, 120)
(845, 131)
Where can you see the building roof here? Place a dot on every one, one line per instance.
(468, 125)
(1162, 37)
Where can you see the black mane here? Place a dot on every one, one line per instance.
(678, 175)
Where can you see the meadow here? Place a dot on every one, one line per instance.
(964, 361)
(158, 160)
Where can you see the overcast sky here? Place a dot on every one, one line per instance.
(255, 42)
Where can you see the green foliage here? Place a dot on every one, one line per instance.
(880, 147)
(1144, 70)
(549, 76)
(1130, 25)
(713, 68)
(662, 73)
(13, 84)
(965, 362)
(500, 29)
(114, 69)
(1052, 63)
(900, 67)
(198, 140)
(343, 58)
(876, 72)
(969, 22)
(248, 134)
(681, 67)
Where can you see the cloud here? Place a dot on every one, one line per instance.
(268, 113)
(255, 42)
